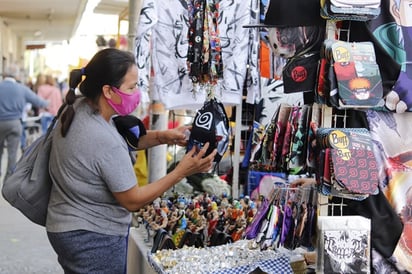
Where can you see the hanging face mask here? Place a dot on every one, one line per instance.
(211, 124)
(285, 41)
(129, 101)
(300, 46)
(288, 42)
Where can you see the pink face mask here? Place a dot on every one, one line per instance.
(129, 101)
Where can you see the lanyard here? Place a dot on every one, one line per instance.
(204, 52)
(196, 21)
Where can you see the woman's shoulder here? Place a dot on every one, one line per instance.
(91, 123)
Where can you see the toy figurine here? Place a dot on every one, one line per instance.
(212, 219)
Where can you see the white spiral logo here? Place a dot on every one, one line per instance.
(204, 120)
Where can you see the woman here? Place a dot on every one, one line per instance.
(50, 92)
(94, 183)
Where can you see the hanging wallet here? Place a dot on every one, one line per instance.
(357, 74)
(355, 10)
(356, 170)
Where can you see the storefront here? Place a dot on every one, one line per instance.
(329, 91)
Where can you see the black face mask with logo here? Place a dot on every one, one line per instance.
(211, 125)
(301, 47)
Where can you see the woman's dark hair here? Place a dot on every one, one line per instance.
(107, 67)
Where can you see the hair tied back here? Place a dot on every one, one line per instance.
(71, 96)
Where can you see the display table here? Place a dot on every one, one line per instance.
(236, 258)
(232, 258)
(138, 251)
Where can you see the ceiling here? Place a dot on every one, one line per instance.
(41, 21)
(118, 7)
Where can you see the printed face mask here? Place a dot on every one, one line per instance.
(129, 101)
(284, 41)
(288, 42)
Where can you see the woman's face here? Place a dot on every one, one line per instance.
(129, 84)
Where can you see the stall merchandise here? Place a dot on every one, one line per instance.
(363, 74)
(237, 258)
(343, 244)
(209, 45)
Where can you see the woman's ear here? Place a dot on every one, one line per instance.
(107, 91)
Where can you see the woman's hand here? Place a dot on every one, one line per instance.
(177, 136)
(303, 182)
(194, 161)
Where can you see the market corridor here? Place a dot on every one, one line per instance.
(24, 247)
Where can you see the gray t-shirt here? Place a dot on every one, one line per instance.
(86, 166)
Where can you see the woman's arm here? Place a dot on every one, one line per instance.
(175, 136)
(193, 162)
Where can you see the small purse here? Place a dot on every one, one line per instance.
(349, 76)
(355, 10)
(359, 174)
(347, 166)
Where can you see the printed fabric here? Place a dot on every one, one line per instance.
(164, 27)
(391, 132)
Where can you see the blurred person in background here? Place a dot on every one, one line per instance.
(13, 99)
(40, 80)
(26, 113)
(50, 92)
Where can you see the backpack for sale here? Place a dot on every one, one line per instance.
(210, 125)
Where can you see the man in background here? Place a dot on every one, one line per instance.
(13, 99)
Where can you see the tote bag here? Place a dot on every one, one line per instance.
(28, 187)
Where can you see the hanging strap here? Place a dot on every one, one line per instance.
(194, 55)
(53, 122)
(215, 62)
(204, 53)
